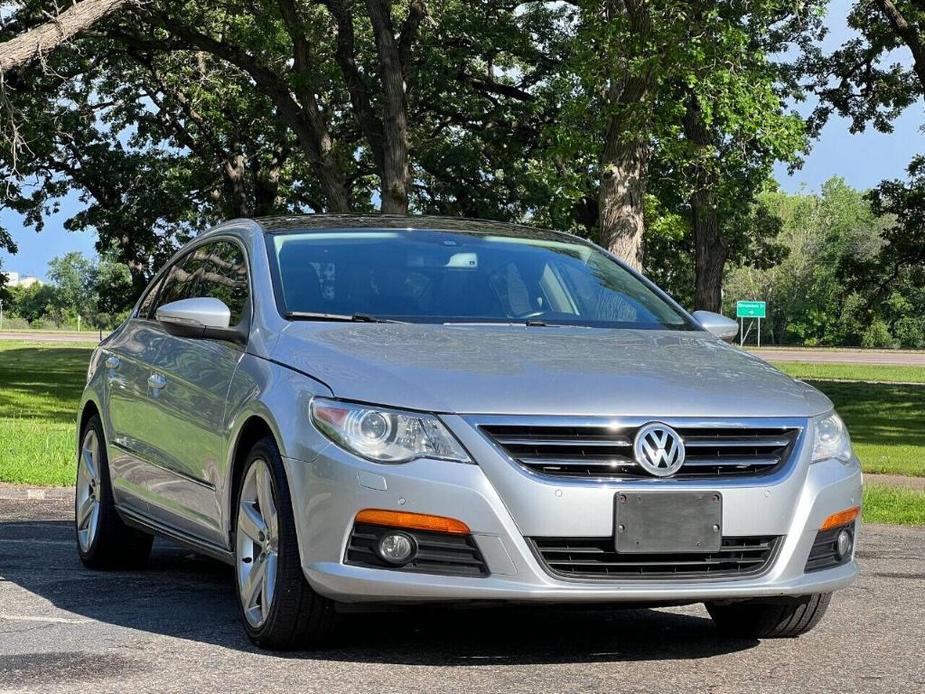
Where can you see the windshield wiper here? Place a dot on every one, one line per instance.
(342, 317)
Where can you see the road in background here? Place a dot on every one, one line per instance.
(809, 355)
(53, 336)
(841, 356)
(174, 627)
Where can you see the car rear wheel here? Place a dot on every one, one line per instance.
(279, 609)
(775, 618)
(103, 540)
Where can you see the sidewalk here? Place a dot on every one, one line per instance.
(916, 483)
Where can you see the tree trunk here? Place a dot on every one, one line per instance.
(709, 253)
(622, 197)
(35, 43)
(625, 160)
(709, 246)
(396, 171)
(233, 173)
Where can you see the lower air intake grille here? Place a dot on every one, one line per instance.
(437, 553)
(824, 554)
(595, 557)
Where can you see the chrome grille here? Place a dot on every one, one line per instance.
(596, 557)
(607, 451)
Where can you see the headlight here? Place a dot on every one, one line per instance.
(831, 439)
(383, 435)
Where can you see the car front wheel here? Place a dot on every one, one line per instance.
(772, 618)
(103, 540)
(279, 609)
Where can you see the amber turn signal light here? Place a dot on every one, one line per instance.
(840, 518)
(412, 521)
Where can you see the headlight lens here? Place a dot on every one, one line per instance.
(384, 435)
(831, 439)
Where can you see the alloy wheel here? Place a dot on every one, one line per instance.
(257, 543)
(87, 502)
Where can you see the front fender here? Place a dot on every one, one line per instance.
(279, 398)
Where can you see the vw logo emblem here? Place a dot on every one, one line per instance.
(659, 449)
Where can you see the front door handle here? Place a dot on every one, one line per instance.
(112, 362)
(156, 381)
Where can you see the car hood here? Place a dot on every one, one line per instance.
(492, 369)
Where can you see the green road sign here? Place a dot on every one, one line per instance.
(751, 309)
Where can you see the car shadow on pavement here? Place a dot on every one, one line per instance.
(183, 595)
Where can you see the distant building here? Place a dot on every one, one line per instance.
(14, 279)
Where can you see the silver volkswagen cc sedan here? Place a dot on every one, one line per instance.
(403, 410)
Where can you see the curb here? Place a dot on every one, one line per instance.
(17, 493)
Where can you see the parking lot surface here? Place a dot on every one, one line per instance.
(174, 627)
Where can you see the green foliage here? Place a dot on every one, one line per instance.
(825, 291)
(99, 292)
(877, 335)
(862, 80)
(162, 135)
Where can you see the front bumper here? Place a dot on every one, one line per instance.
(503, 504)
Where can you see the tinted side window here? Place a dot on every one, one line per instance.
(216, 270)
(223, 275)
(179, 283)
(146, 308)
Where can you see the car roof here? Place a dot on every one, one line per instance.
(322, 222)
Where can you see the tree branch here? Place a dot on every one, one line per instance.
(370, 124)
(305, 119)
(396, 171)
(908, 34)
(35, 43)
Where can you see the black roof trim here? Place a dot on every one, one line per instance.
(391, 221)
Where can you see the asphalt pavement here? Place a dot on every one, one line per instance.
(174, 627)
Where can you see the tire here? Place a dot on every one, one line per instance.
(279, 610)
(103, 540)
(781, 618)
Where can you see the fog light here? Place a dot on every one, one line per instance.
(843, 544)
(397, 548)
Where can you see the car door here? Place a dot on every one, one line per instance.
(191, 377)
(129, 356)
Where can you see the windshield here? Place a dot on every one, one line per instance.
(460, 277)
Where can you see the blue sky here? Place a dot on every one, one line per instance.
(863, 160)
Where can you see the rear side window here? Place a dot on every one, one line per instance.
(216, 270)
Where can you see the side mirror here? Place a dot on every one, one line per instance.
(716, 324)
(198, 317)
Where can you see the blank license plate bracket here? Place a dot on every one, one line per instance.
(668, 522)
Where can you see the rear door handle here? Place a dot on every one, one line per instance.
(156, 381)
(112, 362)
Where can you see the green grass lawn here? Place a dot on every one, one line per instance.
(40, 386)
(886, 420)
(893, 505)
(852, 372)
